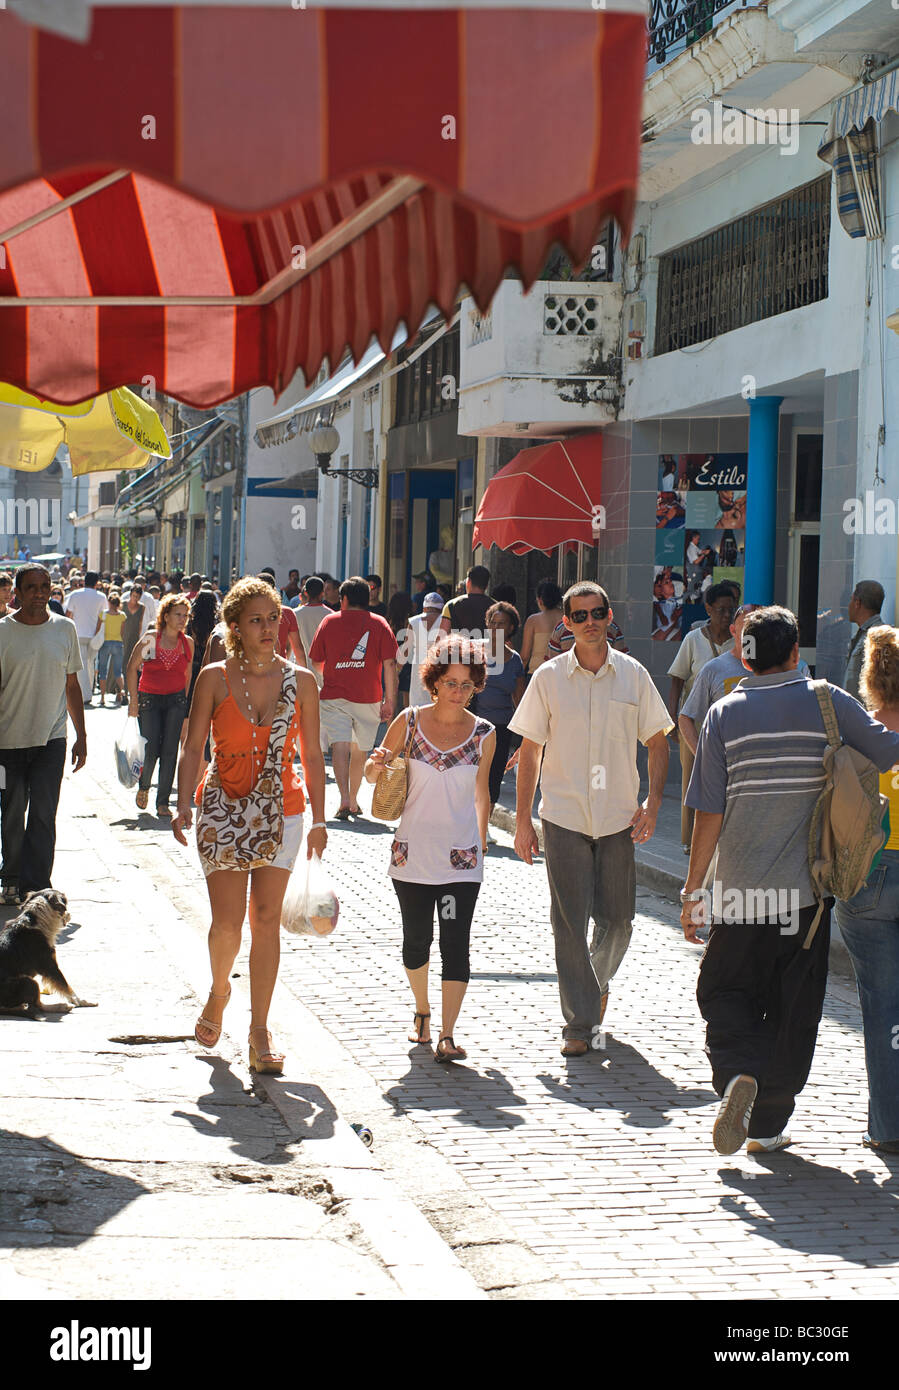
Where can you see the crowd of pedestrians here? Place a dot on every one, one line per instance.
(230, 689)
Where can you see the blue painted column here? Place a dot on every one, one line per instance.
(761, 499)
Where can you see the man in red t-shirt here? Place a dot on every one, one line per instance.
(351, 649)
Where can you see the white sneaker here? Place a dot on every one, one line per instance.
(769, 1146)
(732, 1122)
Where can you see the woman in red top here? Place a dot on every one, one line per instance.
(160, 700)
(250, 825)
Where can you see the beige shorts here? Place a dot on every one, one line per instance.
(345, 722)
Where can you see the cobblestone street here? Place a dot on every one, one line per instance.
(594, 1176)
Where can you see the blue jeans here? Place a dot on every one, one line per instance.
(110, 655)
(869, 924)
(161, 718)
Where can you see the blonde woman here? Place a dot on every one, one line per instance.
(256, 705)
(160, 700)
(869, 922)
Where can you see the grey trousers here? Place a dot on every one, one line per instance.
(588, 878)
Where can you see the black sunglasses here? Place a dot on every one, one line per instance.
(582, 615)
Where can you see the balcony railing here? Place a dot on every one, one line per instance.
(672, 20)
(770, 261)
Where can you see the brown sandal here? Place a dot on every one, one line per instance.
(215, 1028)
(415, 1024)
(458, 1054)
(267, 1060)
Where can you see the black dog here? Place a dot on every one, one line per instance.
(28, 950)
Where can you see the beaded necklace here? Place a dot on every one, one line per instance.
(243, 667)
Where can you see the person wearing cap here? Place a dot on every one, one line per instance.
(424, 629)
(423, 585)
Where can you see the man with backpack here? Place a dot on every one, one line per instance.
(762, 765)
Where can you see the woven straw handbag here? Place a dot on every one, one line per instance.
(389, 796)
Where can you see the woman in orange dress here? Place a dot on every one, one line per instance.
(250, 819)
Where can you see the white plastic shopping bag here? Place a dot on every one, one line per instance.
(130, 747)
(310, 905)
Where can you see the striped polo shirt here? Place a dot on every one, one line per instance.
(759, 764)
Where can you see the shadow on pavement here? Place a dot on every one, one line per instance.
(804, 1201)
(618, 1077)
(228, 1105)
(480, 1099)
(311, 1113)
(47, 1191)
(363, 825)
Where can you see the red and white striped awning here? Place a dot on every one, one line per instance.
(216, 198)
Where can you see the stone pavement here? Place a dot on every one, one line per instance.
(135, 1164)
(547, 1178)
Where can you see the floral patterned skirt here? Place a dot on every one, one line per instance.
(291, 843)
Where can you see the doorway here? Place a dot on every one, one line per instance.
(432, 525)
(805, 536)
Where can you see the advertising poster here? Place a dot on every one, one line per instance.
(700, 536)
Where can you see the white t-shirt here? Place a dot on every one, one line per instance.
(309, 619)
(85, 606)
(151, 606)
(695, 650)
(34, 662)
(417, 648)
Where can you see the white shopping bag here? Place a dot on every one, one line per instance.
(310, 906)
(130, 747)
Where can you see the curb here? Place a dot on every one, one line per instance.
(654, 873)
(418, 1259)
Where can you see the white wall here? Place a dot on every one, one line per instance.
(824, 337)
(280, 530)
(875, 555)
(351, 425)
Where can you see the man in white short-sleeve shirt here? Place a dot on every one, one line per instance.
(84, 607)
(39, 664)
(586, 711)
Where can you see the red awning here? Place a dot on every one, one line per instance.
(547, 496)
(217, 197)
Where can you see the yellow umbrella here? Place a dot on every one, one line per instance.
(114, 431)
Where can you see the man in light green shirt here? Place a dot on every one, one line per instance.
(39, 663)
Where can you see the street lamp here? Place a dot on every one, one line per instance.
(324, 439)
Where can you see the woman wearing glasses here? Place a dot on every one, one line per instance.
(437, 855)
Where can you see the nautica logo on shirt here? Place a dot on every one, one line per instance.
(357, 657)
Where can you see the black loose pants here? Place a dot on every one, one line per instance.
(33, 780)
(761, 996)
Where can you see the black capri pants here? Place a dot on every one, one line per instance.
(455, 908)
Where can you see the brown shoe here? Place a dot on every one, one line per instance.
(574, 1047)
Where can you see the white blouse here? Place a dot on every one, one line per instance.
(437, 839)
